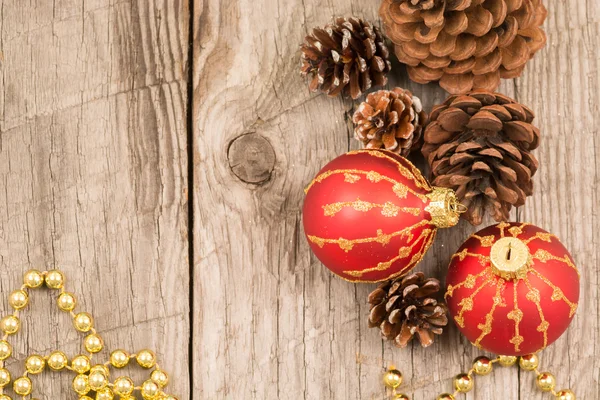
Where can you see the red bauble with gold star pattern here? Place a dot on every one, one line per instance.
(512, 289)
(369, 215)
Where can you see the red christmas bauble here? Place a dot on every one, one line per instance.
(369, 215)
(512, 289)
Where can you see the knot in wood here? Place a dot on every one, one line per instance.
(251, 158)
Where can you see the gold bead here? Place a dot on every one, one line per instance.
(18, 299)
(81, 385)
(507, 361)
(123, 386)
(463, 383)
(57, 360)
(97, 380)
(35, 364)
(565, 394)
(119, 358)
(5, 350)
(80, 364)
(103, 369)
(23, 386)
(55, 279)
(392, 378)
(146, 359)
(159, 377)
(150, 390)
(83, 322)
(93, 343)
(66, 302)
(546, 381)
(105, 394)
(33, 279)
(401, 396)
(85, 398)
(10, 324)
(482, 366)
(4, 377)
(445, 396)
(4, 397)
(529, 362)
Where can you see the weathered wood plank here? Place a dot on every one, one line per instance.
(93, 170)
(562, 85)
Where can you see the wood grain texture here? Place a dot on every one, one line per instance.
(270, 322)
(93, 170)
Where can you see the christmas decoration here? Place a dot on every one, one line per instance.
(512, 289)
(89, 377)
(370, 216)
(407, 306)
(390, 119)
(346, 57)
(464, 44)
(464, 383)
(480, 146)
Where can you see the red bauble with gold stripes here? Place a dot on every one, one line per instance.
(369, 215)
(512, 289)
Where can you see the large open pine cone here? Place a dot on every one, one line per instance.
(348, 56)
(480, 145)
(390, 119)
(465, 44)
(407, 306)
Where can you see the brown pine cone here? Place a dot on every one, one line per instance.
(464, 44)
(390, 119)
(406, 306)
(348, 56)
(480, 145)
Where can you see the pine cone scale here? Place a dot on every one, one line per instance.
(494, 38)
(480, 145)
(410, 309)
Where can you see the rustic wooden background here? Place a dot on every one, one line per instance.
(157, 150)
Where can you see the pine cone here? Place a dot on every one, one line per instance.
(347, 56)
(390, 119)
(480, 145)
(464, 44)
(404, 307)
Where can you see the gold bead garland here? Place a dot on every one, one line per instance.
(482, 366)
(90, 381)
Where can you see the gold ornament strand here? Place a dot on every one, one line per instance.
(89, 378)
(465, 382)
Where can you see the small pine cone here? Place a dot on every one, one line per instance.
(346, 57)
(464, 44)
(390, 119)
(480, 145)
(406, 306)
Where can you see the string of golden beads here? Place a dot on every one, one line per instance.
(482, 366)
(90, 381)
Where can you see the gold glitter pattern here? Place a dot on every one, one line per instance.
(410, 172)
(483, 260)
(486, 241)
(388, 209)
(426, 237)
(399, 189)
(383, 238)
(466, 304)
(545, 236)
(351, 178)
(469, 282)
(545, 256)
(516, 315)
(557, 293)
(498, 300)
(534, 296)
